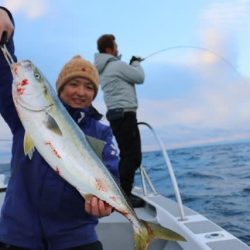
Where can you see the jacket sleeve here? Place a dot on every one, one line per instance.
(133, 74)
(7, 108)
(110, 155)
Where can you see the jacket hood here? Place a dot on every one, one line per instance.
(102, 59)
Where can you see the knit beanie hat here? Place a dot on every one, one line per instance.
(78, 67)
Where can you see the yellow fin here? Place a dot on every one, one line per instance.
(150, 231)
(28, 146)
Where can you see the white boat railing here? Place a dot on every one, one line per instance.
(144, 175)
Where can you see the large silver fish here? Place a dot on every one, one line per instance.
(50, 129)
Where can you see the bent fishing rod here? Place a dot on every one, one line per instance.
(191, 47)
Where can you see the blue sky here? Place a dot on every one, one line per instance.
(197, 88)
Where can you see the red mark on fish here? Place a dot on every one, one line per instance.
(100, 185)
(20, 86)
(53, 149)
(24, 82)
(114, 198)
(20, 90)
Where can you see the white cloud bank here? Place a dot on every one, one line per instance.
(227, 15)
(217, 109)
(221, 23)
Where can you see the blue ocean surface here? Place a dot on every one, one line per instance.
(213, 180)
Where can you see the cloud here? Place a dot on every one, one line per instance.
(205, 107)
(228, 15)
(181, 124)
(32, 9)
(213, 108)
(220, 26)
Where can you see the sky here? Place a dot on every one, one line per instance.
(197, 66)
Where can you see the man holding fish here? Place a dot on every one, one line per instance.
(41, 210)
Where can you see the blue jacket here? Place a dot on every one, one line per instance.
(39, 204)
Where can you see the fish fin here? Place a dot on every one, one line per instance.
(28, 146)
(96, 144)
(150, 231)
(52, 125)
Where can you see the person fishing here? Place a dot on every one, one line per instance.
(41, 210)
(118, 81)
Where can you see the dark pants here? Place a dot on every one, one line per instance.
(126, 132)
(93, 246)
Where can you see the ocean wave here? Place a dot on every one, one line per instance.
(246, 190)
(203, 175)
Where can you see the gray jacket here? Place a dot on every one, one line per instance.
(118, 81)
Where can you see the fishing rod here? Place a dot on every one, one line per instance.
(192, 47)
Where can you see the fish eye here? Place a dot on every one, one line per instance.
(37, 76)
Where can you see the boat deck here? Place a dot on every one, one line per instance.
(116, 232)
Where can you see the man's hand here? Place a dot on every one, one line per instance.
(97, 207)
(135, 58)
(6, 27)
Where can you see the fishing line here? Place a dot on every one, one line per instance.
(7, 55)
(198, 48)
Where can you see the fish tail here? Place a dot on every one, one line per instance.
(149, 231)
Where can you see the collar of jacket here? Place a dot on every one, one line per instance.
(76, 113)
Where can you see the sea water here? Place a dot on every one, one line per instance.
(213, 180)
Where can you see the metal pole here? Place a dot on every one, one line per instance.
(170, 170)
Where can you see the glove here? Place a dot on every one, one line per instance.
(135, 58)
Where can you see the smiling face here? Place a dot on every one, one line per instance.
(78, 93)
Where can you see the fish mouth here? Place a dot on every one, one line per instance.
(25, 65)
